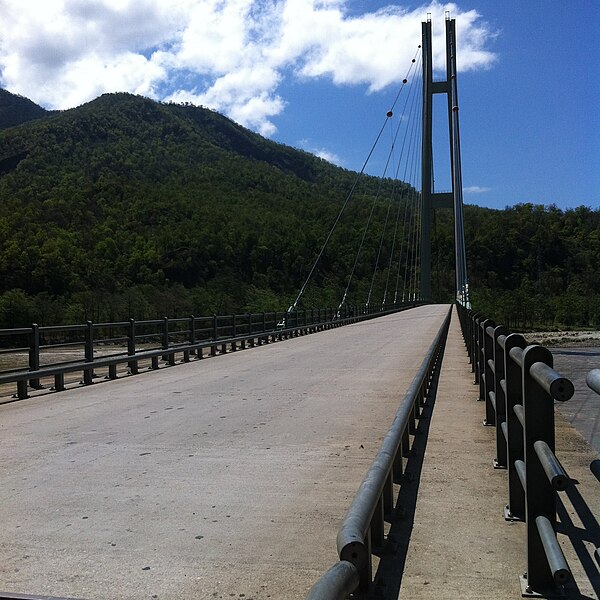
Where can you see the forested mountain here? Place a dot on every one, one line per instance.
(125, 206)
(15, 110)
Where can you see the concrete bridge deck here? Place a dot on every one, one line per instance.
(223, 478)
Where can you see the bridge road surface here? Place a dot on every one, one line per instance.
(226, 477)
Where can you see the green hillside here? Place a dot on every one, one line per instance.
(15, 110)
(125, 206)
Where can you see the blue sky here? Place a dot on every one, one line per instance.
(530, 123)
(321, 74)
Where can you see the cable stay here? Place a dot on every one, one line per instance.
(369, 220)
(394, 187)
(352, 191)
(408, 209)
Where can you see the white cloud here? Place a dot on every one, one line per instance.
(476, 189)
(323, 153)
(230, 55)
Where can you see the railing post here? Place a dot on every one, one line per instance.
(540, 496)
(378, 525)
(133, 364)
(233, 333)
(164, 338)
(250, 332)
(499, 399)
(88, 374)
(215, 336)
(192, 338)
(34, 355)
(515, 509)
(479, 358)
(473, 341)
(487, 373)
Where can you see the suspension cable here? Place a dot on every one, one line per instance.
(352, 190)
(394, 137)
(408, 214)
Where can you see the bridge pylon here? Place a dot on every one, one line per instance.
(432, 200)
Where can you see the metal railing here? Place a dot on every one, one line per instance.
(519, 386)
(5, 596)
(362, 532)
(593, 382)
(89, 347)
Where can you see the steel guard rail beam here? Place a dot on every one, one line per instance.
(593, 382)
(363, 526)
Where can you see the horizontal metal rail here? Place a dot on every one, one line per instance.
(363, 526)
(338, 583)
(554, 555)
(5, 596)
(557, 476)
(593, 380)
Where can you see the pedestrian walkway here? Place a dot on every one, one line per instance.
(460, 545)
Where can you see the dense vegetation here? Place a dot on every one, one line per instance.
(125, 206)
(15, 110)
(531, 265)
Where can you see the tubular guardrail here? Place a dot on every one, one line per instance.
(5, 596)
(593, 382)
(519, 386)
(362, 531)
(159, 338)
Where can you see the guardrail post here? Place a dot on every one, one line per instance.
(34, 356)
(170, 357)
(515, 509)
(233, 333)
(500, 462)
(243, 341)
(479, 358)
(88, 374)
(487, 374)
(473, 320)
(250, 332)
(215, 335)
(192, 338)
(540, 498)
(378, 526)
(22, 389)
(133, 364)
